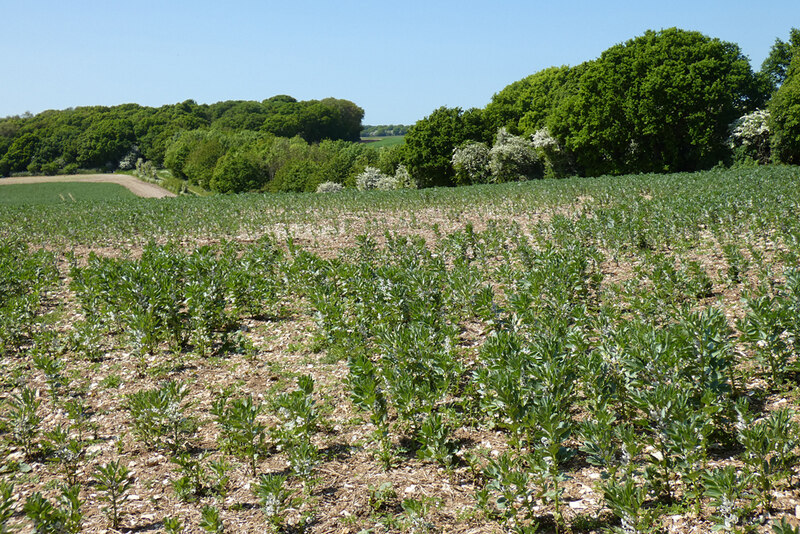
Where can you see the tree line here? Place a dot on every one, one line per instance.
(666, 101)
(101, 137)
(384, 130)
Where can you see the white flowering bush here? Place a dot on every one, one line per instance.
(373, 178)
(513, 158)
(146, 169)
(404, 178)
(543, 140)
(369, 179)
(128, 161)
(329, 187)
(387, 183)
(471, 163)
(750, 136)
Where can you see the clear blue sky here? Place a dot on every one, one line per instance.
(399, 60)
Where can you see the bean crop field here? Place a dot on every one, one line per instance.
(614, 354)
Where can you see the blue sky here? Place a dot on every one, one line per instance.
(399, 60)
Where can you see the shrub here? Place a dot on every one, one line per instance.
(471, 163)
(296, 177)
(389, 158)
(51, 168)
(146, 169)
(70, 168)
(236, 172)
(329, 187)
(555, 157)
(404, 178)
(370, 178)
(785, 122)
(513, 158)
(129, 160)
(750, 135)
(387, 183)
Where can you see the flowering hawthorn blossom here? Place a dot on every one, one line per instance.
(513, 158)
(751, 132)
(471, 163)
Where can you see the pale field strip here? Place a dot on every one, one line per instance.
(134, 185)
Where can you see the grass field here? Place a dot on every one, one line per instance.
(617, 354)
(60, 193)
(378, 142)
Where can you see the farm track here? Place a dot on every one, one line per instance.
(132, 184)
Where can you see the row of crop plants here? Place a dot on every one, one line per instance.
(646, 378)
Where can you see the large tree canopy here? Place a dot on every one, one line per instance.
(785, 107)
(523, 106)
(776, 67)
(661, 102)
(785, 122)
(313, 120)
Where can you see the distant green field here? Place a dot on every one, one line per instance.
(60, 192)
(378, 142)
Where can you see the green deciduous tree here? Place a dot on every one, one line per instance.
(785, 122)
(348, 119)
(660, 102)
(104, 142)
(523, 106)
(100, 136)
(314, 120)
(776, 67)
(204, 152)
(238, 171)
(785, 104)
(429, 144)
(19, 154)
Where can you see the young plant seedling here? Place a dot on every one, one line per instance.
(114, 480)
(241, 433)
(65, 517)
(274, 497)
